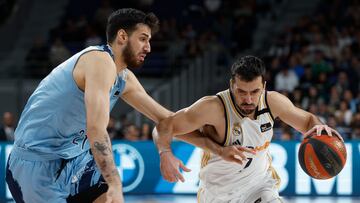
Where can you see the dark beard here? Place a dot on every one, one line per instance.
(245, 112)
(130, 58)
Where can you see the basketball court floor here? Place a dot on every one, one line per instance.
(192, 199)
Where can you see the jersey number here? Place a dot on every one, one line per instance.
(249, 159)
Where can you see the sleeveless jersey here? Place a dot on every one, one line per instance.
(53, 122)
(220, 176)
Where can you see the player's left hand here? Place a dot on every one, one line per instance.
(319, 128)
(169, 167)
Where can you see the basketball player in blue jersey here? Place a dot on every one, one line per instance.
(62, 151)
(242, 115)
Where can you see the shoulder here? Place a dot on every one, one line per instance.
(95, 66)
(278, 102)
(209, 104)
(96, 56)
(211, 100)
(275, 97)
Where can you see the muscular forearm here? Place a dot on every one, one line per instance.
(102, 152)
(197, 139)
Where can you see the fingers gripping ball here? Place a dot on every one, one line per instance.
(322, 157)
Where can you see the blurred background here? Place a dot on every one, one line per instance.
(311, 49)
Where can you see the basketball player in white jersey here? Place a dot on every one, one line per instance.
(242, 115)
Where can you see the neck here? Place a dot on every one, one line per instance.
(118, 57)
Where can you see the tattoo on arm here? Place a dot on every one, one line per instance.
(103, 155)
(102, 148)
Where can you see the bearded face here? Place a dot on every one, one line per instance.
(132, 59)
(137, 46)
(247, 94)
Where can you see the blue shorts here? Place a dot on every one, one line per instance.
(55, 181)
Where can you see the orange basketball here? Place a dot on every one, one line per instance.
(322, 157)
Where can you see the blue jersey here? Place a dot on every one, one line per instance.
(53, 123)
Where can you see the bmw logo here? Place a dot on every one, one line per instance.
(130, 165)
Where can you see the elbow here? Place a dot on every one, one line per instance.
(165, 126)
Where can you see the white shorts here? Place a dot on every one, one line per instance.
(265, 191)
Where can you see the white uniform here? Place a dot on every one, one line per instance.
(253, 182)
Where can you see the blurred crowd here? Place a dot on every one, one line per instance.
(187, 29)
(317, 64)
(118, 129)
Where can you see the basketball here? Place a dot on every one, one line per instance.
(322, 157)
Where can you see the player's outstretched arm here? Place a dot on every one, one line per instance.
(98, 78)
(135, 95)
(203, 112)
(303, 121)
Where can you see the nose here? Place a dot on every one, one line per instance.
(147, 47)
(248, 99)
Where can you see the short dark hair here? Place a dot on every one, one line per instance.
(248, 68)
(127, 19)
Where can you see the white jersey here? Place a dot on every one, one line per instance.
(221, 177)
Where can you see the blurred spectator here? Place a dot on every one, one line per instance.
(320, 65)
(342, 83)
(286, 134)
(355, 125)
(212, 5)
(334, 99)
(111, 128)
(349, 99)
(307, 80)
(131, 133)
(38, 59)
(311, 98)
(146, 132)
(323, 111)
(102, 14)
(343, 114)
(58, 52)
(286, 80)
(297, 97)
(296, 66)
(332, 122)
(92, 37)
(8, 127)
(323, 85)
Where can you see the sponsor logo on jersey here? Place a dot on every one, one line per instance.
(265, 127)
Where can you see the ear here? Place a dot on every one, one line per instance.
(122, 36)
(231, 83)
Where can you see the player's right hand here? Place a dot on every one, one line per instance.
(114, 195)
(236, 153)
(169, 167)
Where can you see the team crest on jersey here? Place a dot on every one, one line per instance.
(129, 164)
(236, 129)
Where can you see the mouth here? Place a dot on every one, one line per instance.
(142, 57)
(247, 107)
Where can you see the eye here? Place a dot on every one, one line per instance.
(241, 92)
(255, 91)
